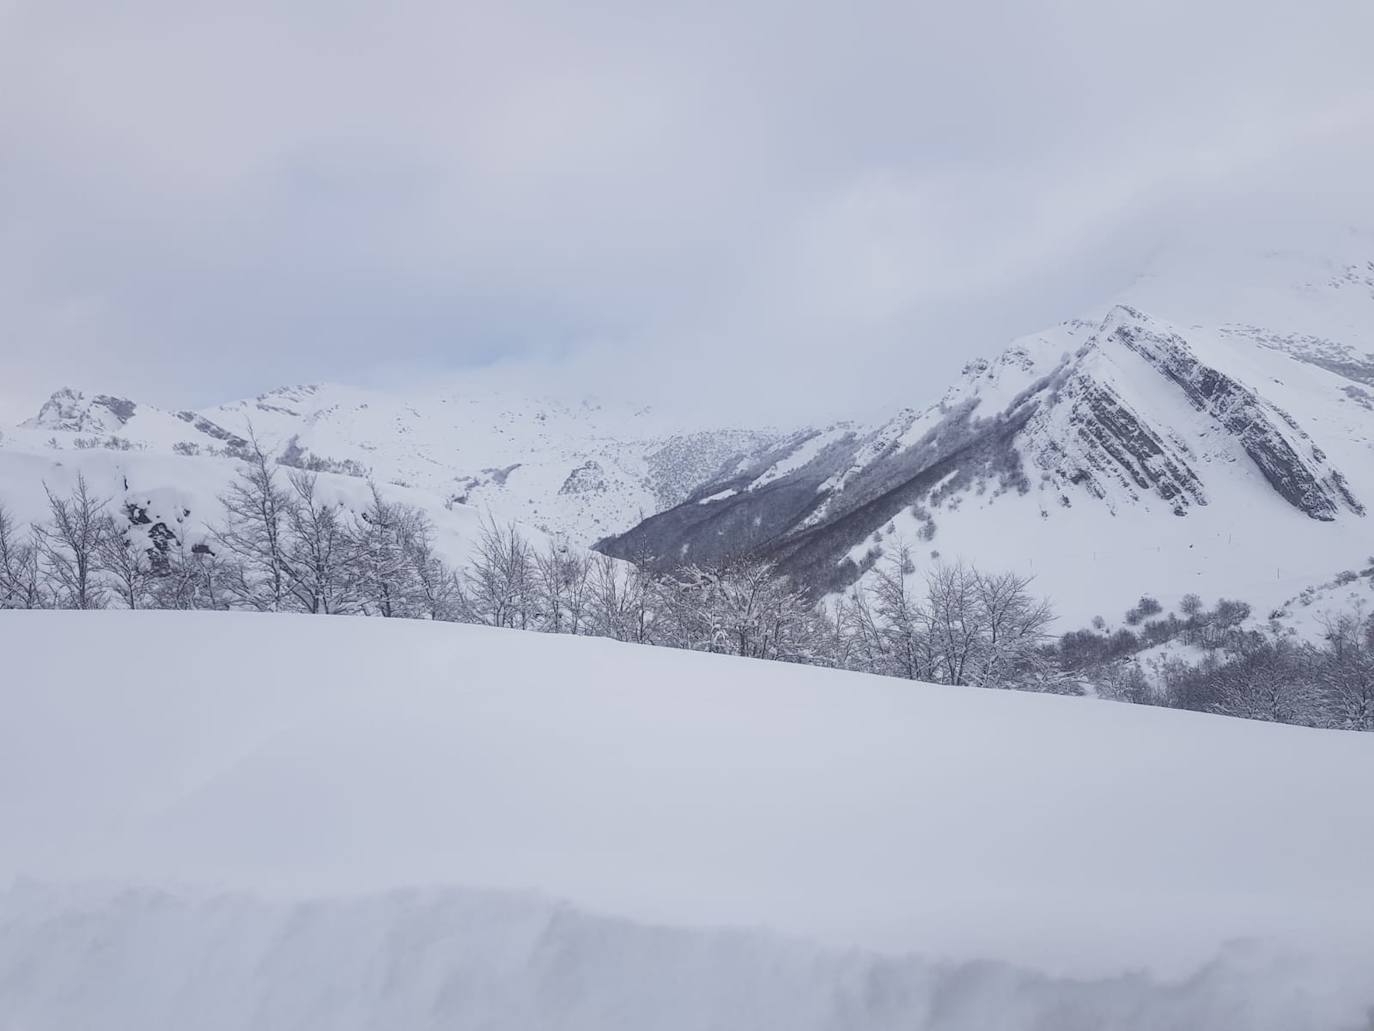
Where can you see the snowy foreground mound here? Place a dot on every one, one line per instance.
(463, 959)
(234, 821)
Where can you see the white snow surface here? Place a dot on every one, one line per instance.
(184, 493)
(576, 469)
(221, 820)
(74, 959)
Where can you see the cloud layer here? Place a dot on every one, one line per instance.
(840, 202)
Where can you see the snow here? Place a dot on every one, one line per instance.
(720, 495)
(1308, 280)
(1094, 556)
(1257, 315)
(323, 814)
(1309, 615)
(512, 454)
(415, 960)
(583, 471)
(808, 448)
(183, 493)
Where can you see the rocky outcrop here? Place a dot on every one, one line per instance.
(1281, 450)
(71, 411)
(1117, 444)
(586, 478)
(231, 441)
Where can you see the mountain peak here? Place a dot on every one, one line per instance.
(72, 411)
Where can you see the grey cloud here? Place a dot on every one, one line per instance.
(199, 201)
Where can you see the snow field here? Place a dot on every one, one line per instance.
(290, 758)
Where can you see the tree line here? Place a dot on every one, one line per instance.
(283, 547)
(1236, 668)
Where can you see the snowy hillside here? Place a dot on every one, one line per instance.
(174, 500)
(314, 813)
(1184, 439)
(578, 471)
(1210, 430)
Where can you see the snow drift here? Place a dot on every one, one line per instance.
(73, 960)
(931, 842)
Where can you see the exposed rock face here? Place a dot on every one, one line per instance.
(73, 412)
(231, 441)
(1117, 444)
(1280, 449)
(1118, 413)
(587, 477)
(105, 415)
(120, 407)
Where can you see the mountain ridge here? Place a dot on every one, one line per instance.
(1086, 434)
(1180, 430)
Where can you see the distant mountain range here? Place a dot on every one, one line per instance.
(1210, 430)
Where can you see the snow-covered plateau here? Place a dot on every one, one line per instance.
(225, 820)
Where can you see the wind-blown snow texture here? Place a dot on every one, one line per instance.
(71, 960)
(283, 758)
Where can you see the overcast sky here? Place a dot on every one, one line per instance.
(805, 207)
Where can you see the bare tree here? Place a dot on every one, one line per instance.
(194, 578)
(1125, 682)
(177, 587)
(966, 627)
(1346, 674)
(21, 583)
(620, 600)
(1271, 680)
(735, 595)
(321, 566)
(738, 607)
(438, 592)
(125, 561)
(70, 544)
(683, 617)
(862, 636)
(560, 585)
(500, 578)
(904, 625)
(577, 569)
(953, 611)
(386, 575)
(257, 508)
(1013, 626)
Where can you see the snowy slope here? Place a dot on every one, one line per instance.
(1209, 430)
(1310, 614)
(291, 758)
(453, 959)
(169, 492)
(578, 470)
(1191, 436)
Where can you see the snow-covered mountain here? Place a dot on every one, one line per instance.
(578, 471)
(570, 473)
(1208, 430)
(1183, 438)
